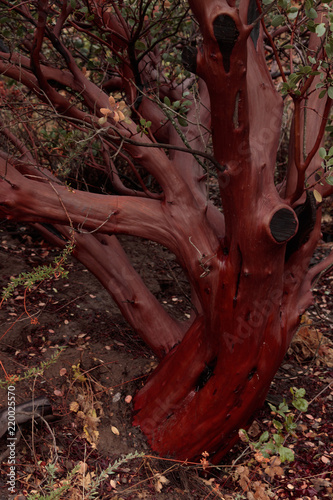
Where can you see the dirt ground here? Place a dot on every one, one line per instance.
(96, 364)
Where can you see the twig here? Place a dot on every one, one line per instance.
(321, 392)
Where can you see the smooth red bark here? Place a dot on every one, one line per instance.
(250, 281)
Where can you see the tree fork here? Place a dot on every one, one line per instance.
(248, 264)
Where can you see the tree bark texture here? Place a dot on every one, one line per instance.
(248, 267)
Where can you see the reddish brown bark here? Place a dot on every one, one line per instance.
(247, 268)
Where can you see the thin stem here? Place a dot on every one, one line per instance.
(321, 132)
(272, 44)
(297, 133)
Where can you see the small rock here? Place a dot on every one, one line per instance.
(116, 397)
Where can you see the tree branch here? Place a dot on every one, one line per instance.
(88, 211)
(108, 262)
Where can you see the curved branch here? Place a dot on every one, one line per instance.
(87, 211)
(66, 10)
(105, 258)
(117, 183)
(321, 132)
(271, 41)
(156, 163)
(26, 154)
(314, 273)
(191, 151)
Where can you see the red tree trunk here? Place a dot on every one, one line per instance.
(247, 268)
(209, 386)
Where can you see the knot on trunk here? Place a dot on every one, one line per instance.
(283, 225)
(226, 34)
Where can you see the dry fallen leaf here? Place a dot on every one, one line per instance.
(74, 406)
(260, 492)
(254, 430)
(114, 430)
(86, 480)
(274, 468)
(242, 436)
(91, 435)
(320, 483)
(242, 474)
(83, 468)
(260, 457)
(160, 481)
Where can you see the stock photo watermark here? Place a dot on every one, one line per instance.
(11, 439)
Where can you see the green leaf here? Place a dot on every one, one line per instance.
(269, 448)
(278, 439)
(329, 180)
(278, 425)
(329, 49)
(267, 2)
(264, 437)
(168, 58)
(311, 13)
(286, 454)
(284, 88)
(320, 29)
(111, 60)
(322, 152)
(305, 70)
(298, 393)
(290, 427)
(140, 45)
(293, 79)
(283, 407)
(311, 26)
(322, 94)
(292, 15)
(167, 101)
(300, 403)
(182, 122)
(330, 92)
(277, 20)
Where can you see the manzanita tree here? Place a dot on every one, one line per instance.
(152, 102)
